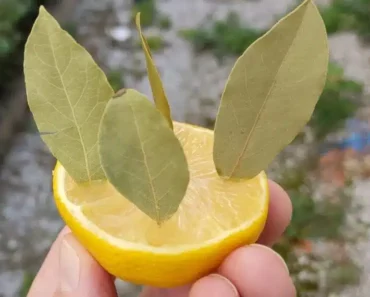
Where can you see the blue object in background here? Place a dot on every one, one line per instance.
(358, 138)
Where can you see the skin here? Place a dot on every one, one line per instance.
(251, 271)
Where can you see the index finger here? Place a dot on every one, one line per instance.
(279, 215)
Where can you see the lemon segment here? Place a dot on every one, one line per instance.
(215, 217)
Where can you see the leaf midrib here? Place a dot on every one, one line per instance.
(146, 164)
(238, 161)
(72, 110)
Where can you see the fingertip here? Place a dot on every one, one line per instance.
(258, 271)
(270, 251)
(214, 285)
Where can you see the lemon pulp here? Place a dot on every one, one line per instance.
(211, 206)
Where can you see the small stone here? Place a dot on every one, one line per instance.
(120, 33)
(10, 283)
(12, 244)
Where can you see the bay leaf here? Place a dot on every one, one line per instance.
(158, 92)
(67, 94)
(271, 93)
(141, 156)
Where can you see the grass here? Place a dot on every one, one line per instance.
(164, 22)
(115, 78)
(223, 38)
(338, 102)
(149, 15)
(26, 285)
(156, 43)
(10, 13)
(71, 28)
(230, 37)
(315, 220)
(344, 15)
(148, 12)
(16, 20)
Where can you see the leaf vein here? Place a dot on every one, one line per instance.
(146, 165)
(72, 110)
(260, 111)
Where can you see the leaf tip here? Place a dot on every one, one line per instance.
(137, 20)
(42, 10)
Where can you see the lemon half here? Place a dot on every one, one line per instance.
(215, 217)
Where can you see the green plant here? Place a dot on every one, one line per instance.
(16, 19)
(312, 220)
(164, 22)
(148, 11)
(338, 102)
(71, 28)
(115, 78)
(26, 285)
(315, 219)
(348, 15)
(155, 43)
(225, 37)
(10, 13)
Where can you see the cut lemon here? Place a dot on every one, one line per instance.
(215, 217)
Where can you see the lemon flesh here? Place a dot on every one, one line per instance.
(215, 217)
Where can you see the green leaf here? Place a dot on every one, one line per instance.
(141, 156)
(159, 94)
(67, 94)
(271, 93)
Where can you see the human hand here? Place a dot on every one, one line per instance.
(251, 271)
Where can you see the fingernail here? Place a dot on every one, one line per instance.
(227, 283)
(271, 250)
(69, 268)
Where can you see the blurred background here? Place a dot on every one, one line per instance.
(326, 170)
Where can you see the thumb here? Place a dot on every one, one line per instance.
(79, 274)
(76, 273)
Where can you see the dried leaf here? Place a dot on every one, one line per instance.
(159, 94)
(142, 157)
(67, 94)
(271, 93)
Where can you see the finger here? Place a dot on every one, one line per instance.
(279, 216)
(79, 274)
(45, 282)
(258, 271)
(72, 272)
(214, 285)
